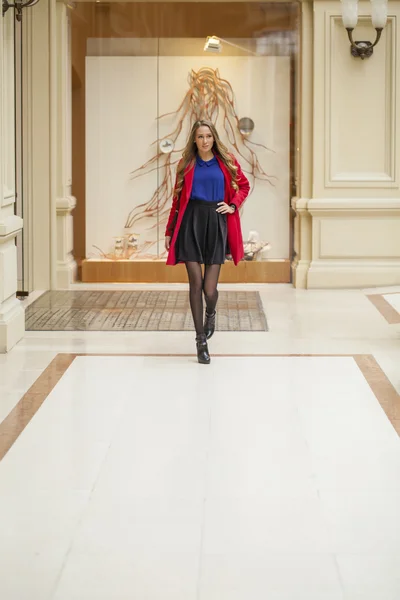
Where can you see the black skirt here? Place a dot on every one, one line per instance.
(202, 235)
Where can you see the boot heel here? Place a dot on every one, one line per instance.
(202, 350)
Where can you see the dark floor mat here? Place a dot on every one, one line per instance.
(139, 311)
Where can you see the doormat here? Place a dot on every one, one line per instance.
(139, 311)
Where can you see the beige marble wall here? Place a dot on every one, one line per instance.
(348, 210)
(65, 203)
(47, 161)
(11, 312)
(347, 228)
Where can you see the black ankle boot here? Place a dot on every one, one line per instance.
(202, 349)
(209, 324)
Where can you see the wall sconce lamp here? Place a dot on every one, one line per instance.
(213, 44)
(18, 6)
(379, 9)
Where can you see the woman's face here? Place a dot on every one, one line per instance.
(204, 139)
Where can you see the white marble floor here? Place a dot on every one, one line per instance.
(259, 476)
(300, 321)
(272, 477)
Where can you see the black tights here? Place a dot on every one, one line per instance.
(198, 285)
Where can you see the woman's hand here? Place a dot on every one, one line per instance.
(167, 242)
(225, 209)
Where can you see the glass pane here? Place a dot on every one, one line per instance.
(143, 72)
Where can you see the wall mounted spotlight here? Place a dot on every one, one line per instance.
(18, 6)
(214, 44)
(379, 9)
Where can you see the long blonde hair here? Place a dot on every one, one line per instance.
(190, 152)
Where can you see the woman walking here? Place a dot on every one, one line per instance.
(204, 223)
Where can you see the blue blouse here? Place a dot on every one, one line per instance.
(208, 181)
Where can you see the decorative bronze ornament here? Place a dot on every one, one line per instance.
(363, 49)
(379, 11)
(18, 6)
(166, 146)
(246, 126)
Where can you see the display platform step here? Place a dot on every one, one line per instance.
(156, 271)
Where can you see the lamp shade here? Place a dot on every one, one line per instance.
(379, 10)
(349, 13)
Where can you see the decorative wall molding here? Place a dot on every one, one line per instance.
(356, 127)
(64, 101)
(7, 112)
(302, 242)
(28, 157)
(352, 274)
(12, 318)
(323, 206)
(65, 205)
(382, 93)
(8, 262)
(305, 104)
(37, 91)
(346, 242)
(65, 267)
(12, 324)
(355, 242)
(354, 206)
(8, 196)
(66, 264)
(10, 226)
(362, 237)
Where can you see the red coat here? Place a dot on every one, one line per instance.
(232, 196)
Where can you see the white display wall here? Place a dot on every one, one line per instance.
(124, 96)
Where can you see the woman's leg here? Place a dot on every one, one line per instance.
(211, 275)
(196, 294)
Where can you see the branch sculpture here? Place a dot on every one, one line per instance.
(209, 97)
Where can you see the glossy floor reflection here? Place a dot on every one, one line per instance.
(152, 477)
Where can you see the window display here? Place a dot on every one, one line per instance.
(143, 93)
(123, 128)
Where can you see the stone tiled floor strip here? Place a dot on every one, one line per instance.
(384, 303)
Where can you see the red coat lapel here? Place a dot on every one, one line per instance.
(228, 178)
(189, 175)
